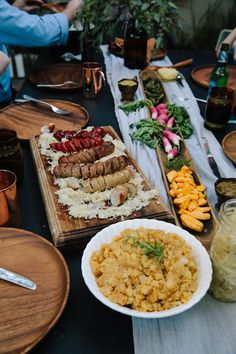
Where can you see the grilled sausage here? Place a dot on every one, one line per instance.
(89, 155)
(99, 168)
(122, 192)
(101, 183)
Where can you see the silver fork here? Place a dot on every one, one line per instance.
(54, 108)
(59, 85)
(189, 98)
(70, 56)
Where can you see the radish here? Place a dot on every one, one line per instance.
(154, 112)
(167, 145)
(172, 137)
(170, 122)
(172, 154)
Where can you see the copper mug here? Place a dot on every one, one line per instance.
(92, 79)
(9, 206)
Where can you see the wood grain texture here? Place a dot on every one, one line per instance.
(68, 231)
(201, 75)
(28, 118)
(229, 146)
(57, 74)
(206, 236)
(26, 315)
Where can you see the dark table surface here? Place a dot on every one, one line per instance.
(86, 326)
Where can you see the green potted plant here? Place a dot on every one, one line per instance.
(109, 19)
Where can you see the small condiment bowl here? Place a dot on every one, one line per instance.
(225, 189)
(128, 88)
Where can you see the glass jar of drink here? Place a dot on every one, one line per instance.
(11, 156)
(219, 107)
(223, 254)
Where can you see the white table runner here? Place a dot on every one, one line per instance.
(191, 331)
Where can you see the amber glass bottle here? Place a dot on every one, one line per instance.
(135, 47)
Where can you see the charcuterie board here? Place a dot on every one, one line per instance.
(74, 232)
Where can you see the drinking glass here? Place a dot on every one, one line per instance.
(218, 108)
(9, 206)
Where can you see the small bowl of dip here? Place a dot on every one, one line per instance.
(225, 189)
(128, 88)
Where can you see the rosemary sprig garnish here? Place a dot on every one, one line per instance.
(157, 249)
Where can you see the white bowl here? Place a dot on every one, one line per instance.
(200, 255)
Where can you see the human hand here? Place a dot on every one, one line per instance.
(71, 8)
(28, 5)
(4, 62)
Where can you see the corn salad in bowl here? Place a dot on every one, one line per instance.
(146, 268)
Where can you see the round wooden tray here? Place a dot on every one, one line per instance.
(229, 146)
(28, 118)
(26, 315)
(56, 74)
(201, 75)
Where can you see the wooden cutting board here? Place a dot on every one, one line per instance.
(28, 315)
(28, 118)
(207, 234)
(68, 232)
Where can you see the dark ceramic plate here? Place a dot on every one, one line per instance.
(56, 74)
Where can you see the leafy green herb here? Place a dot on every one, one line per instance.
(177, 163)
(182, 119)
(148, 131)
(135, 106)
(156, 250)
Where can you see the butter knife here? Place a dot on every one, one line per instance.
(210, 158)
(17, 279)
(179, 79)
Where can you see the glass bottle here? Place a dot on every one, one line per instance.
(11, 156)
(223, 254)
(219, 75)
(87, 44)
(135, 47)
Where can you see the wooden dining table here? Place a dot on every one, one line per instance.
(87, 326)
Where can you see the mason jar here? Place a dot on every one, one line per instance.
(223, 254)
(11, 156)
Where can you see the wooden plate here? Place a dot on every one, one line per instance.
(26, 315)
(229, 146)
(69, 232)
(56, 74)
(201, 75)
(28, 118)
(157, 53)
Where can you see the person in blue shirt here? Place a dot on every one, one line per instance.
(21, 28)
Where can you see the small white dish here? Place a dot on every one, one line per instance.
(107, 234)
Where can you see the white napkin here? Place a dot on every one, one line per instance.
(145, 156)
(183, 333)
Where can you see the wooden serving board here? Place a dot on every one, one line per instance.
(68, 232)
(28, 315)
(205, 237)
(27, 118)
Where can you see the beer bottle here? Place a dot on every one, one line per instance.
(135, 47)
(219, 75)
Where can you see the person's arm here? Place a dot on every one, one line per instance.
(23, 29)
(4, 62)
(229, 40)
